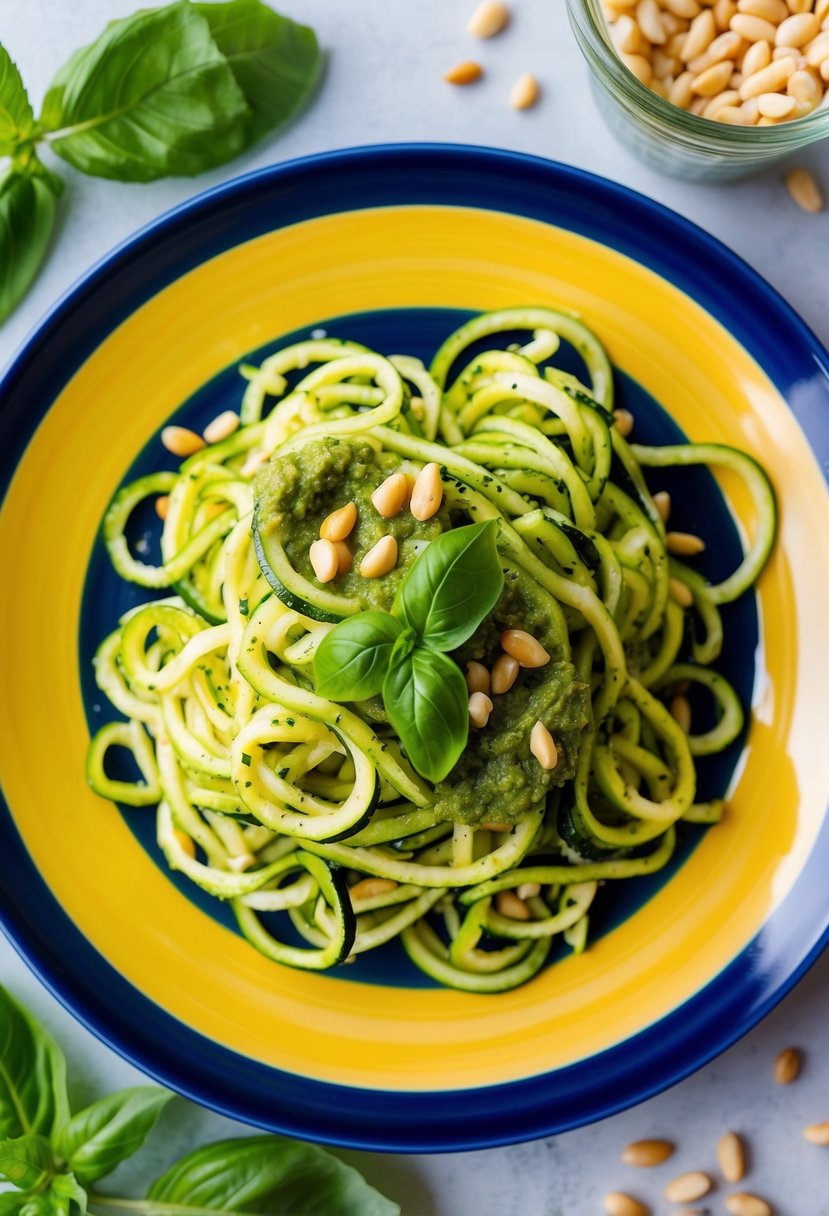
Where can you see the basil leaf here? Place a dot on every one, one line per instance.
(95, 1140)
(427, 703)
(152, 96)
(27, 216)
(268, 1174)
(64, 1192)
(352, 659)
(16, 117)
(452, 586)
(32, 1074)
(276, 61)
(26, 1162)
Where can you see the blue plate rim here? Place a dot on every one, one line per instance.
(729, 1005)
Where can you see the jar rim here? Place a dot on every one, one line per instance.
(781, 136)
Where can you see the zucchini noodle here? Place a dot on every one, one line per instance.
(307, 815)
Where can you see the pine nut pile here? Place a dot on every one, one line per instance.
(742, 62)
(490, 18)
(732, 1159)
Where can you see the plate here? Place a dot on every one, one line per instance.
(394, 245)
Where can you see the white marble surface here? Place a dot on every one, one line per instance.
(385, 59)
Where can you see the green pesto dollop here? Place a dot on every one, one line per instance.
(295, 492)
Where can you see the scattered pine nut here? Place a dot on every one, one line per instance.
(380, 558)
(523, 647)
(185, 842)
(680, 710)
(508, 904)
(624, 422)
(680, 593)
(477, 678)
(324, 560)
(787, 1066)
(662, 502)
(683, 544)
(525, 92)
(805, 191)
(543, 746)
(504, 673)
(345, 558)
(488, 19)
(368, 888)
(817, 1133)
(180, 441)
(647, 1153)
(464, 73)
(162, 505)
(427, 494)
(685, 1188)
(619, 1204)
(480, 707)
(743, 1204)
(221, 427)
(340, 523)
(390, 497)
(731, 1156)
(528, 890)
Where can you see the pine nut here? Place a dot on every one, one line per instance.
(464, 73)
(722, 101)
(427, 494)
(698, 105)
(162, 505)
(700, 36)
(822, 9)
(659, 87)
(627, 37)
(650, 21)
(743, 1204)
(543, 746)
(802, 86)
(619, 1204)
(624, 422)
(683, 544)
(390, 497)
(368, 888)
(817, 51)
(753, 29)
(757, 56)
(508, 904)
(681, 93)
(185, 842)
(799, 6)
(528, 890)
(768, 80)
(785, 52)
(524, 647)
(674, 45)
(662, 502)
(731, 1156)
(504, 673)
(733, 116)
(750, 110)
(817, 1133)
(488, 19)
(680, 593)
(324, 560)
(639, 66)
(477, 678)
(180, 441)
(663, 67)
(525, 92)
(687, 1187)
(682, 8)
(797, 30)
(774, 11)
(680, 710)
(824, 71)
(380, 559)
(647, 1153)
(713, 80)
(774, 105)
(804, 190)
(787, 1066)
(221, 427)
(345, 558)
(480, 707)
(724, 46)
(339, 524)
(724, 10)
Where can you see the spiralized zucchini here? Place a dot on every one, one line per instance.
(273, 798)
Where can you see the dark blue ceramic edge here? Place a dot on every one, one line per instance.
(653, 1059)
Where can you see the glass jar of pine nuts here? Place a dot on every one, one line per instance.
(670, 138)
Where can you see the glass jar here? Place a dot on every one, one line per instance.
(669, 138)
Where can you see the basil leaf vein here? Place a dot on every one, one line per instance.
(26, 1161)
(426, 700)
(32, 1074)
(352, 659)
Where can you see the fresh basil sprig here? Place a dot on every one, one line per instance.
(52, 1157)
(168, 91)
(449, 590)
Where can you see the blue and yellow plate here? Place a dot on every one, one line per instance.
(393, 245)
